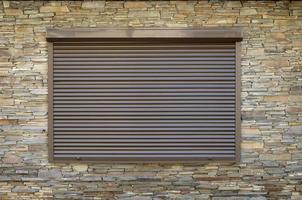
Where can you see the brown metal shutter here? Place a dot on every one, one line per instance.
(144, 100)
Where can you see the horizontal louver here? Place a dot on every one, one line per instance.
(144, 100)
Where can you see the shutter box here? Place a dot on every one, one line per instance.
(144, 95)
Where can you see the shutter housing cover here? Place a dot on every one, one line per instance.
(129, 95)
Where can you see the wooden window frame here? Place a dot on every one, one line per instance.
(221, 34)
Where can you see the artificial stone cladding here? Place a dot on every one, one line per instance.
(271, 148)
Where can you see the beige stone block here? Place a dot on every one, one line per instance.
(297, 43)
(6, 101)
(4, 72)
(54, 9)
(295, 98)
(11, 159)
(276, 62)
(8, 121)
(135, 5)
(253, 131)
(222, 20)
(24, 30)
(80, 167)
(232, 4)
(183, 6)
(278, 98)
(141, 14)
(278, 36)
(297, 12)
(276, 156)
(6, 4)
(5, 54)
(230, 187)
(244, 20)
(248, 11)
(93, 4)
(295, 109)
(255, 52)
(251, 145)
(176, 25)
(276, 16)
(284, 22)
(14, 12)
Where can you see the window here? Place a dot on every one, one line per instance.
(131, 95)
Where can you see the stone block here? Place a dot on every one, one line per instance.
(221, 20)
(281, 99)
(251, 145)
(255, 51)
(8, 121)
(276, 157)
(276, 63)
(13, 12)
(93, 4)
(136, 5)
(185, 6)
(24, 189)
(295, 109)
(50, 174)
(6, 4)
(278, 36)
(12, 159)
(143, 14)
(250, 131)
(80, 167)
(232, 4)
(56, 9)
(248, 11)
(295, 130)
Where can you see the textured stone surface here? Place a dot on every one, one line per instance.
(271, 161)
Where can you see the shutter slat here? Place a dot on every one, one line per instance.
(208, 66)
(150, 113)
(143, 121)
(147, 46)
(143, 62)
(86, 71)
(145, 125)
(145, 59)
(117, 141)
(150, 90)
(158, 97)
(146, 102)
(145, 94)
(140, 144)
(122, 105)
(143, 100)
(176, 109)
(88, 149)
(160, 152)
(144, 157)
(139, 83)
(164, 86)
(143, 137)
(177, 132)
(140, 54)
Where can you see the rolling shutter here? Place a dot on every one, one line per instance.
(143, 100)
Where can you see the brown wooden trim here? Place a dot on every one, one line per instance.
(238, 102)
(50, 101)
(229, 33)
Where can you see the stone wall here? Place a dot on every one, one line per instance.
(271, 165)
